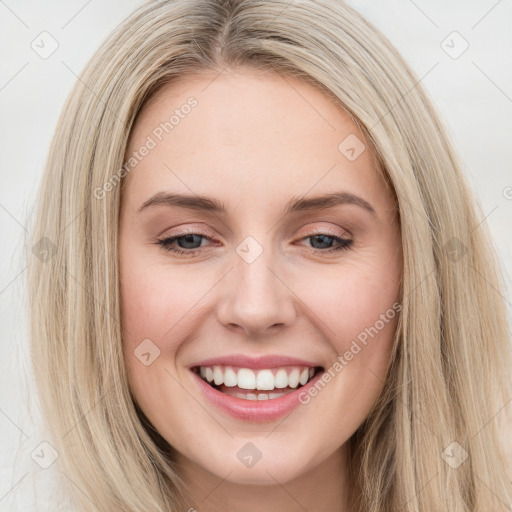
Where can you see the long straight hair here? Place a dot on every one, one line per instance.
(450, 368)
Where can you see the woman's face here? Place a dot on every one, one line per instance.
(295, 254)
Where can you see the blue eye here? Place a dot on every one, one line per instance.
(343, 243)
(190, 243)
(185, 241)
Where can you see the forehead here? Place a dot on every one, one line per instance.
(257, 134)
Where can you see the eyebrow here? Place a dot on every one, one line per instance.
(207, 204)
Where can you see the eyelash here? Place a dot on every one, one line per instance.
(165, 243)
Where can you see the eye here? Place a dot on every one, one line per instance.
(326, 242)
(189, 244)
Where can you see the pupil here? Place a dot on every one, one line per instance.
(188, 239)
(323, 237)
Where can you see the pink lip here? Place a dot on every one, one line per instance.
(243, 361)
(256, 411)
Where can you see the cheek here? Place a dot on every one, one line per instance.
(157, 306)
(161, 306)
(357, 309)
(351, 298)
(153, 303)
(157, 302)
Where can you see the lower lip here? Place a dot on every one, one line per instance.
(255, 410)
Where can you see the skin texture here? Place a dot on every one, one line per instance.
(254, 141)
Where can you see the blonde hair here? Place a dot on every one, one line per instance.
(450, 369)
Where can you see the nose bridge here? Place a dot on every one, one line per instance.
(254, 296)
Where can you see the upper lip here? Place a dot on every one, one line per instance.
(260, 362)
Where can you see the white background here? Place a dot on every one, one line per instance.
(473, 94)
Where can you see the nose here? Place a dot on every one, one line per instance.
(255, 297)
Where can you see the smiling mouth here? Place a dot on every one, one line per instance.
(262, 384)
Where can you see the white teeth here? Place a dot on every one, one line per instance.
(262, 380)
(293, 378)
(281, 379)
(218, 375)
(265, 380)
(258, 396)
(304, 377)
(246, 379)
(230, 378)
